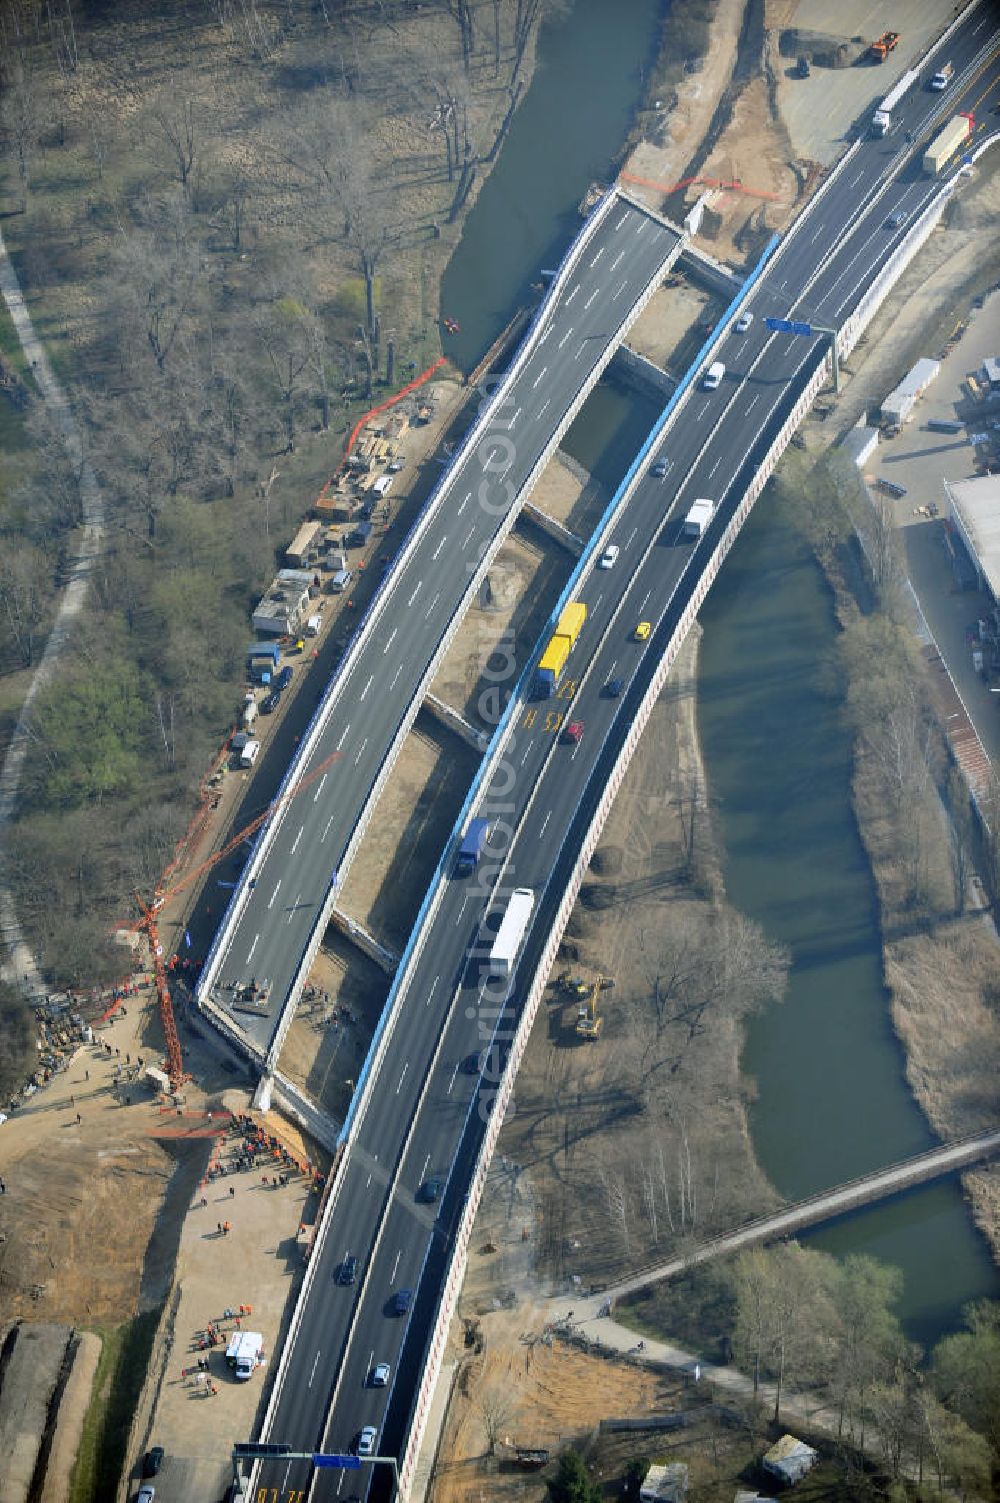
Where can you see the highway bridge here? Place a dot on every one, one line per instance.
(275, 921)
(420, 1112)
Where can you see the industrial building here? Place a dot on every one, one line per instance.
(974, 512)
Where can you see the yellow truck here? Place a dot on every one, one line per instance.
(945, 144)
(553, 660)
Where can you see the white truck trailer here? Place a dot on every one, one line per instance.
(945, 144)
(510, 935)
(882, 118)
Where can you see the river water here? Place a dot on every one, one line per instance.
(832, 1099)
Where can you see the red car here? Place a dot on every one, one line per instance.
(573, 733)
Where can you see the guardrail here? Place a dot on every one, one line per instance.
(713, 564)
(382, 595)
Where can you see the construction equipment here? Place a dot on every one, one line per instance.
(886, 43)
(589, 1021)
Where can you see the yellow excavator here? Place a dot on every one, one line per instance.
(589, 1021)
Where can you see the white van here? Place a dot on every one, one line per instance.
(249, 710)
(341, 580)
(314, 626)
(249, 752)
(382, 486)
(713, 376)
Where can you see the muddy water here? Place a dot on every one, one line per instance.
(832, 1098)
(576, 112)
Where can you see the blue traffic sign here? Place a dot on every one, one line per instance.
(348, 1462)
(787, 326)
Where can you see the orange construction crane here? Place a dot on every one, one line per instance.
(148, 925)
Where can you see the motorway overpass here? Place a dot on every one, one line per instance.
(418, 1113)
(276, 918)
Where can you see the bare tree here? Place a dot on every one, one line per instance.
(496, 1407)
(616, 1196)
(176, 123)
(21, 116)
(25, 596)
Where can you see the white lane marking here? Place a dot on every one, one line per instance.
(611, 670)
(543, 336)
(454, 1076)
(547, 818)
(977, 29)
(430, 608)
(343, 738)
(573, 294)
(314, 1367)
(297, 839)
(598, 601)
(715, 467)
(293, 909)
(622, 220)
(389, 643)
(252, 948)
(361, 748)
(618, 291)
(855, 180)
(467, 539)
(322, 780)
(591, 298)
(642, 226)
(600, 253)
(642, 602)
(566, 336)
(326, 829)
(424, 1169)
(275, 892)
(819, 232)
(440, 545)
(392, 1276)
(753, 402)
(517, 414)
(371, 680)
(539, 377)
(543, 406)
(631, 537)
(580, 352)
(371, 1364)
(432, 990)
(620, 256)
(398, 672)
(527, 750)
(400, 1086)
(416, 591)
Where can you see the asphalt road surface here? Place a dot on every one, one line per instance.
(425, 1117)
(311, 831)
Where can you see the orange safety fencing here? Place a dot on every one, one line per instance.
(709, 182)
(391, 402)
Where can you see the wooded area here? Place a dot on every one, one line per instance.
(804, 1320)
(229, 222)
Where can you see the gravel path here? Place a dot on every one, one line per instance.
(20, 964)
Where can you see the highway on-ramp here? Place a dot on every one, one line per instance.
(423, 1118)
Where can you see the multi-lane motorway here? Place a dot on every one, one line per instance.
(423, 1118)
(278, 905)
